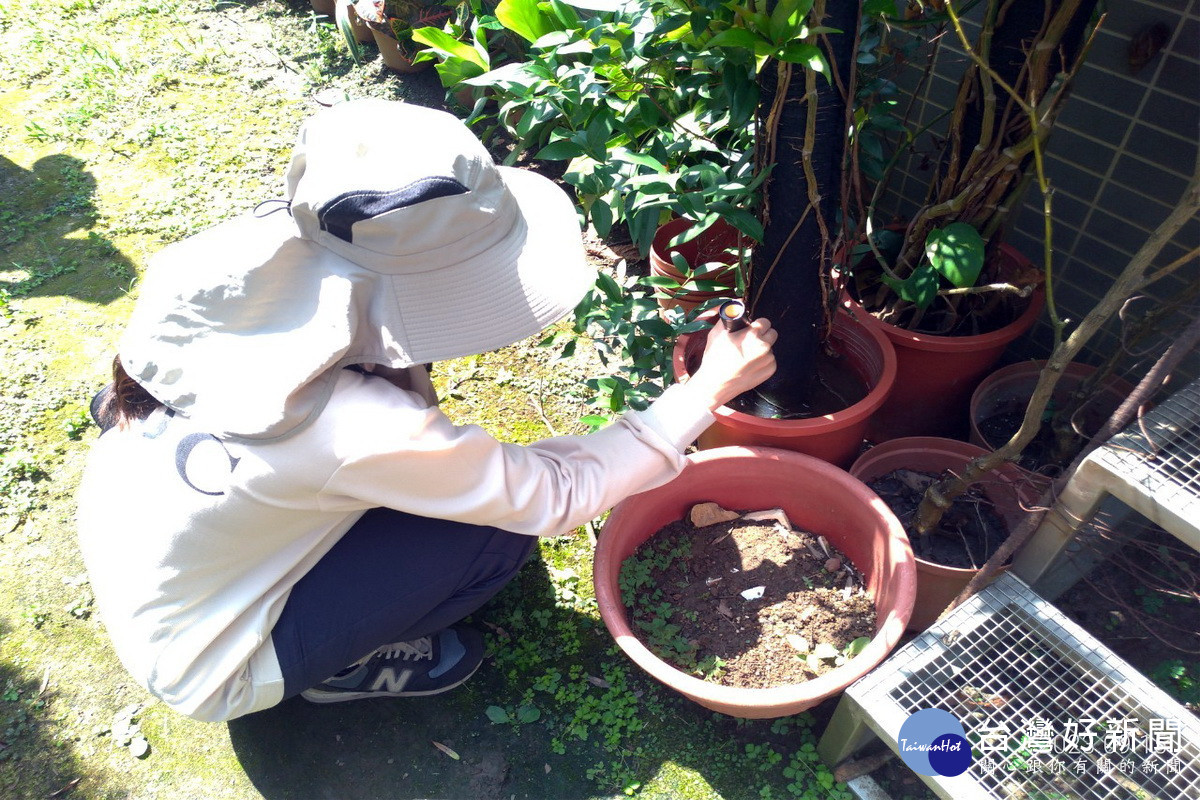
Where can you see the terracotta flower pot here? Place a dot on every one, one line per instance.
(1008, 389)
(362, 31)
(707, 247)
(1007, 488)
(323, 7)
(392, 55)
(817, 497)
(935, 375)
(836, 438)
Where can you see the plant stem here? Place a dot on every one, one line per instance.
(1169, 268)
(1149, 384)
(941, 495)
(1020, 291)
(1120, 418)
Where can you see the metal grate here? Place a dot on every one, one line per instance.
(1046, 706)
(1162, 454)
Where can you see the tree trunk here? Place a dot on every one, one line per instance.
(1009, 56)
(785, 283)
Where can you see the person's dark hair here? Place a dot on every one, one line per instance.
(124, 400)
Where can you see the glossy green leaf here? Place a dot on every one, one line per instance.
(565, 15)
(561, 150)
(787, 19)
(956, 251)
(642, 227)
(606, 284)
(919, 288)
(736, 37)
(524, 18)
(602, 217)
(447, 45)
(624, 154)
(801, 53)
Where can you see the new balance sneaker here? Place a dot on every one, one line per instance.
(430, 665)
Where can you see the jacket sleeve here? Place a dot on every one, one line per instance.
(396, 452)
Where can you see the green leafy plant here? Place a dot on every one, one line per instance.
(470, 43)
(810, 778)
(651, 116)
(1006, 106)
(397, 18)
(1179, 679)
(621, 320)
(77, 423)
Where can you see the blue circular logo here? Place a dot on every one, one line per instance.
(950, 755)
(932, 742)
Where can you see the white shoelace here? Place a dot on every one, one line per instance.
(416, 650)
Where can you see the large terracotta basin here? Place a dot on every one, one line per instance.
(817, 497)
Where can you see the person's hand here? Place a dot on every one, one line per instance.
(735, 362)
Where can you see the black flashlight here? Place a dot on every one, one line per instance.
(733, 315)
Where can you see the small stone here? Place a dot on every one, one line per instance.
(833, 565)
(754, 593)
(704, 514)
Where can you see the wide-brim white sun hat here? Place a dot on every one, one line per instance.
(403, 243)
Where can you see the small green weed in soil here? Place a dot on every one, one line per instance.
(746, 603)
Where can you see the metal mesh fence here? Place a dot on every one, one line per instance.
(1162, 453)
(1050, 712)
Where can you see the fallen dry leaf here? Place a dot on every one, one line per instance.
(704, 514)
(724, 610)
(600, 682)
(914, 480)
(70, 785)
(446, 750)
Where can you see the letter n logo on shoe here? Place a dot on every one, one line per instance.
(388, 677)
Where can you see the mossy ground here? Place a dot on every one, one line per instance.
(128, 124)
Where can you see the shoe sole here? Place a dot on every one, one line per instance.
(318, 696)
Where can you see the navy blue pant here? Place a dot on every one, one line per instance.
(391, 578)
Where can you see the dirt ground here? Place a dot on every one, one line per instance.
(767, 602)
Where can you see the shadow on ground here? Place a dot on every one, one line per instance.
(44, 209)
(385, 748)
(32, 762)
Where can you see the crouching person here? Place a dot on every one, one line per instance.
(276, 505)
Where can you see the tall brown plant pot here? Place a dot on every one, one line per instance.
(711, 245)
(836, 438)
(393, 55)
(1007, 489)
(935, 375)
